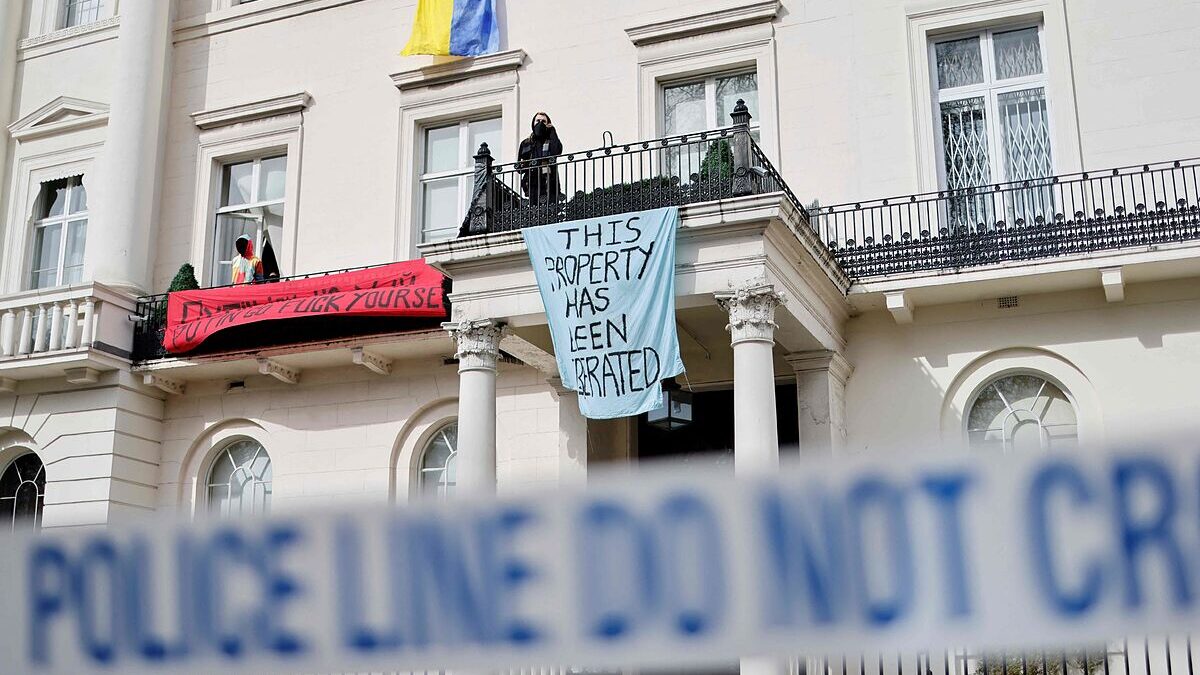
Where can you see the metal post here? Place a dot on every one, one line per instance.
(742, 183)
(479, 215)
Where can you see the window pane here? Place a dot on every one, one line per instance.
(272, 179)
(22, 488)
(959, 63)
(965, 144)
(79, 12)
(46, 244)
(440, 209)
(441, 150)
(52, 199)
(1018, 53)
(484, 131)
(683, 108)
(438, 473)
(237, 184)
(229, 227)
(730, 89)
(1025, 125)
(73, 262)
(78, 196)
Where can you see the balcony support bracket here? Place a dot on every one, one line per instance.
(278, 371)
(900, 305)
(82, 375)
(8, 385)
(1113, 282)
(371, 361)
(169, 385)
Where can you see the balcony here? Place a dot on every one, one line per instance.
(77, 331)
(1128, 208)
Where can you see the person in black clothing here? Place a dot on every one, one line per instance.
(539, 175)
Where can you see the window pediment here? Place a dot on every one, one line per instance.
(58, 116)
(743, 14)
(254, 110)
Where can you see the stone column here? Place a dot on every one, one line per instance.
(820, 399)
(755, 437)
(478, 348)
(752, 333)
(11, 14)
(121, 233)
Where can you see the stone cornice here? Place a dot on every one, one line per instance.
(68, 38)
(708, 22)
(248, 14)
(245, 112)
(462, 69)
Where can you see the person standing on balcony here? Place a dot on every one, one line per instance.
(245, 268)
(539, 175)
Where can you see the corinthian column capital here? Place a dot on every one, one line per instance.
(751, 310)
(478, 343)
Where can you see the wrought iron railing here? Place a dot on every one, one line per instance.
(672, 171)
(1022, 220)
(151, 316)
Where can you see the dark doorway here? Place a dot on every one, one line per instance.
(709, 438)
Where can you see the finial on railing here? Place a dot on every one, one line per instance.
(741, 114)
(606, 139)
(483, 153)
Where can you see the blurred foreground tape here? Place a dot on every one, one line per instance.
(647, 569)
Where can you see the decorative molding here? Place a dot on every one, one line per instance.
(821, 360)
(373, 362)
(76, 113)
(169, 385)
(478, 343)
(68, 38)
(900, 305)
(8, 385)
(751, 310)
(708, 22)
(1114, 283)
(278, 371)
(255, 110)
(462, 69)
(82, 375)
(246, 15)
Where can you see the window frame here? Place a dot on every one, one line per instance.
(255, 201)
(65, 221)
(991, 381)
(990, 90)
(926, 22)
(443, 490)
(465, 174)
(233, 143)
(206, 476)
(40, 508)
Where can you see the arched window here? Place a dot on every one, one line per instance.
(438, 461)
(239, 482)
(1022, 412)
(22, 491)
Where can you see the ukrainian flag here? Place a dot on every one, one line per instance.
(454, 28)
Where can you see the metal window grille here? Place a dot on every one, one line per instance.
(22, 492)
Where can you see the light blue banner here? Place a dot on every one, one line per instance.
(608, 285)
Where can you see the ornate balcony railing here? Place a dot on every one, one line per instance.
(62, 321)
(673, 171)
(1023, 220)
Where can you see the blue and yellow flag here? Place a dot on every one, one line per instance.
(454, 28)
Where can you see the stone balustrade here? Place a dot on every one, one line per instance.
(65, 319)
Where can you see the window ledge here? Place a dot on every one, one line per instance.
(246, 112)
(68, 38)
(460, 69)
(249, 14)
(708, 22)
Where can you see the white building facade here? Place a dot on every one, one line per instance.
(934, 224)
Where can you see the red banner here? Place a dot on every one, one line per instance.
(410, 288)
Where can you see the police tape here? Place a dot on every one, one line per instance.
(648, 568)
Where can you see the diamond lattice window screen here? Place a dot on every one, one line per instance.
(995, 125)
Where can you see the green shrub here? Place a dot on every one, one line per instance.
(185, 280)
